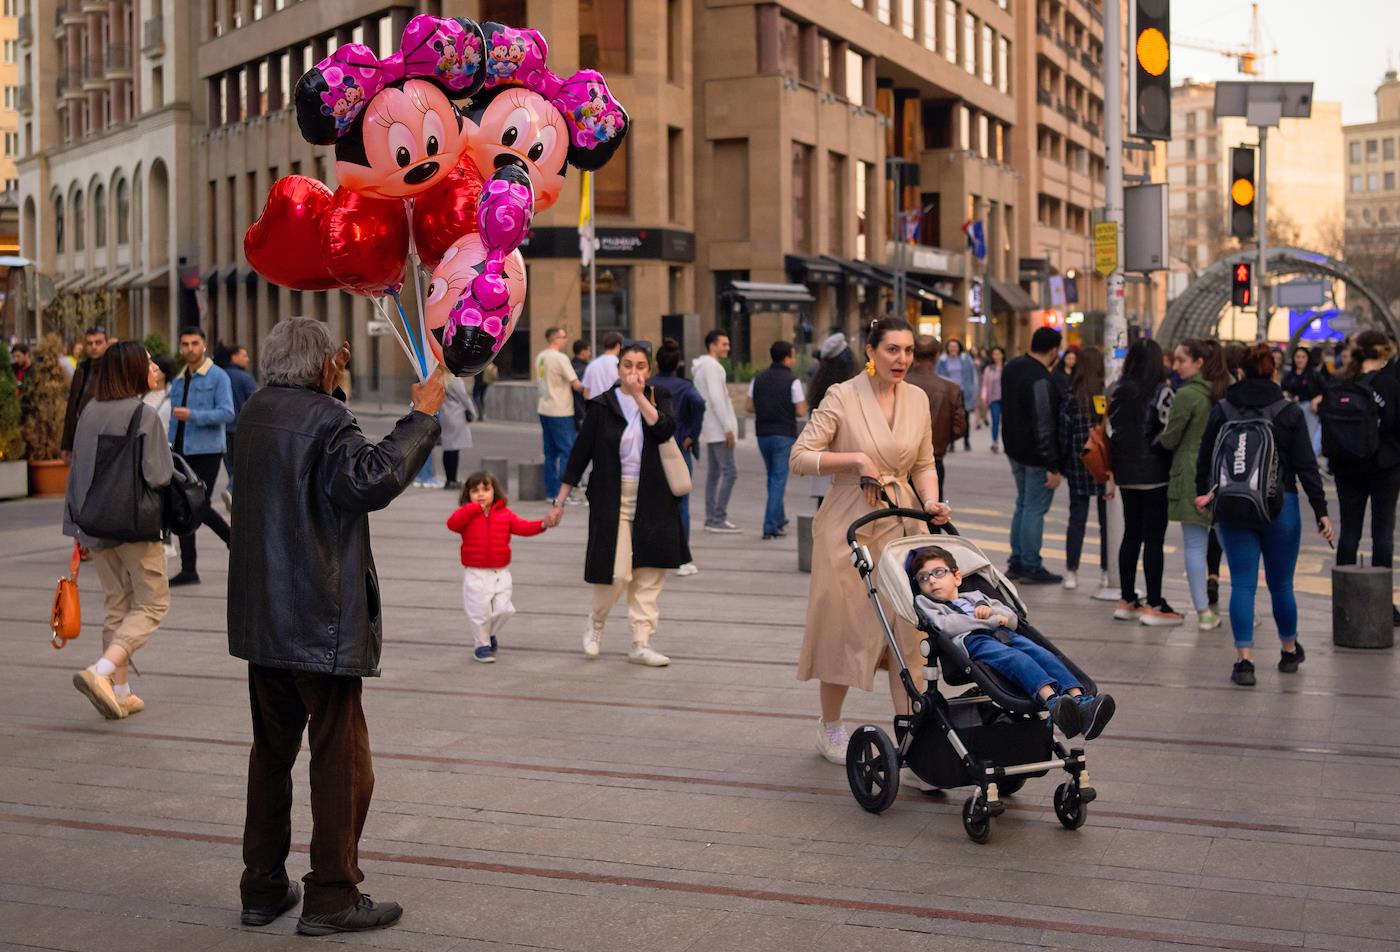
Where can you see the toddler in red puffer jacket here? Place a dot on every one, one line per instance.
(486, 525)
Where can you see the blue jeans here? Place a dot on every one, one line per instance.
(720, 474)
(1278, 544)
(1023, 661)
(995, 407)
(1033, 500)
(775, 450)
(1195, 541)
(685, 500)
(558, 434)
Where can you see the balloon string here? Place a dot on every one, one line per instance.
(419, 357)
(415, 266)
(398, 336)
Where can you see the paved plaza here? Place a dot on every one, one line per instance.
(551, 802)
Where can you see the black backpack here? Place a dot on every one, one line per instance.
(1245, 466)
(1351, 423)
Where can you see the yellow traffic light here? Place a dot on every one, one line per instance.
(1153, 53)
(1242, 191)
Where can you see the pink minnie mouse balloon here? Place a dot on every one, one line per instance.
(467, 331)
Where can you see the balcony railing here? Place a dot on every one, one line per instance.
(1070, 113)
(26, 28)
(69, 84)
(1042, 96)
(118, 60)
(153, 36)
(66, 12)
(1043, 27)
(1090, 63)
(1094, 129)
(93, 75)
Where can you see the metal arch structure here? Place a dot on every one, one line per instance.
(1197, 312)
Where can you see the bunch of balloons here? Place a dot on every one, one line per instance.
(444, 151)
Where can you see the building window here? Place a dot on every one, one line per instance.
(906, 18)
(864, 176)
(1356, 183)
(882, 11)
(825, 51)
(99, 217)
(675, 174)
(79, 223)
(1390, 181)
(1371, 149)
(801, 197)
(929, 25)
(1354, 151)
(612, 183)
(12, 145)
(988, 63)
(835, 203)
(1373, 182)
(603, 35)
(1388, 148)
(614, 298)
(10, 46)
(1003, 64)
(509, 12)
(789, 48)
(123, 213)
(969, 43)
(58, 223)
(675, 40)
(855, 77)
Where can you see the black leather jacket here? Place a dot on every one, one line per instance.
(1030, 406)
(303, 593)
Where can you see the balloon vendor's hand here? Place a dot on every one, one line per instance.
(428, 396)
(342, 357)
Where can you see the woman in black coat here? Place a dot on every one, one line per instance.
(634, 520)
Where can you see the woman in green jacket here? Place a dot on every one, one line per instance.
(1201, 365)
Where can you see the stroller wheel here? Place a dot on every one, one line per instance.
(1069, 807)
(872, 768)
(976, 820)
(1010, 786)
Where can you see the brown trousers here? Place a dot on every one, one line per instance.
(284, 704)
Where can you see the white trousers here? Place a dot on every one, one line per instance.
(486, 600)
(642, 585)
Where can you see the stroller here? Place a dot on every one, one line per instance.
(993, 737)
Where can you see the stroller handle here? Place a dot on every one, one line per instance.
(896, 512)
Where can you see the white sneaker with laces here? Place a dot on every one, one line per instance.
(1071, 581)
(647, 655)
(832, 741)
(592, 639)
(725, 526)
(689, 568)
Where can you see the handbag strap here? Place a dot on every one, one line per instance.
(75, 560)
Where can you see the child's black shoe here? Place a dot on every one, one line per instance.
(1095, 711)
(1064, 711)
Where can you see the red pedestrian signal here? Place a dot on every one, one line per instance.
(1241, 285)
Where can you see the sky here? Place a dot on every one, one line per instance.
(1343, 46)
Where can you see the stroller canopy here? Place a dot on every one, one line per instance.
(892, 572)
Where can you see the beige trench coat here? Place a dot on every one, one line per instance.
(844, 642)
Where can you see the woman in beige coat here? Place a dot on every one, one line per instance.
(877, 426)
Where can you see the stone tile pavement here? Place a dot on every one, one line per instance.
(549, 802)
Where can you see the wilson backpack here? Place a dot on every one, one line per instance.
(1351, 423)
(1245, 466)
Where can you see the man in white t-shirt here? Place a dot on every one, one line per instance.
(554, 374)
(602, 372)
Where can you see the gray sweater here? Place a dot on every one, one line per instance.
(110, 418)
(953, 622)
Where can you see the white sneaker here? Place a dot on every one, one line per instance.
(592, 639)
(725, 526)
(1071, 581)
(1106, 592)
(227, 497)
(647, 655)
(832, 741)
(689, 568)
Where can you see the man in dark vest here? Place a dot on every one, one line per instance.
(946, 409)
(776, 400)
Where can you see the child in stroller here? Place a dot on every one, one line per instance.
(986, 630)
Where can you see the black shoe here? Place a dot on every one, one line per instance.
(1288, 661)
(1040, 577)
(775, 535)
(1243, 673)
(1394, 616)
(493, 644)
(1013, 571)
(1213, 593)
(185, 578)
(452, 484)
(261, 917)
(1096, 712)
(1064, 711)
(361, 917)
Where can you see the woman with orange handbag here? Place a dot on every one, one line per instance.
(121, 460)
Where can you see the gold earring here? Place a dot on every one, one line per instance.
(870, 368)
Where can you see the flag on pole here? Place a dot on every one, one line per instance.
(585, 220)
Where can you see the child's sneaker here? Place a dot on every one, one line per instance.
(1160, 615)
(1243, 673)
(647, 655)
(1064, 712)
(1288, 661)
(592, 638)
(1095, 711)
(1128, 611)
(483, 654)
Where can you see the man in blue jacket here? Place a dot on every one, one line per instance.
(202, 406)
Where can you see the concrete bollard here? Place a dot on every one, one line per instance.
(1361, 612)
(529, 482)
(500, 468)
(804, 544)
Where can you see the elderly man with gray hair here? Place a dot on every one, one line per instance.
(304, 612)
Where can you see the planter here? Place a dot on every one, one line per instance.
(14, 479)
(48, 477)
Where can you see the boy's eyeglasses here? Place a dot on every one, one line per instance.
(939, 572)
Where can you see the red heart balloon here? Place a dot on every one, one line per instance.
(283, 244)
(445, 212)
(365, 242)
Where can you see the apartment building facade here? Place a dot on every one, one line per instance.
(105, 138)
(1373, 167)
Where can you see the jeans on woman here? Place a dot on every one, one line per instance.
(1195, 541)
(1381, 487)
(1145, 529)
(995, 407)
(1074, 530)
(1278, 544)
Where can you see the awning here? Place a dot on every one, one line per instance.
(1010, 297)
(92, 282)
(759, 296)
(68, 283)
(156, 279)
(927, 288)
(859, 271)
(126, 280)
(14, 261)
(816, 270)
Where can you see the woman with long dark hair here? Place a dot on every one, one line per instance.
(991, 392)
(1276, 542)
(1302, 383)
(1201, 366)
(1078, 416)
(132, 573)
(1137, 414)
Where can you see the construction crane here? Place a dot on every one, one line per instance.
(1246, 57)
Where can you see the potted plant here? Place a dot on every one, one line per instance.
(14, 475)
(46, 394)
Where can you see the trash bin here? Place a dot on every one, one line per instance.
(804, 543)
(1361, 612)
(529, 482)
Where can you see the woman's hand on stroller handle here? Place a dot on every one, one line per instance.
(939, 512)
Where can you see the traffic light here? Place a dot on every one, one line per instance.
(1242, 192)
(1149, 77)
(1241, 285)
